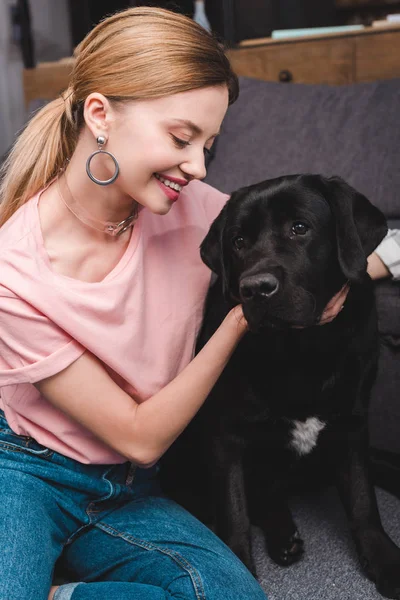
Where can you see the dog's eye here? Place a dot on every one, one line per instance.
(299, 228)
(238, 242)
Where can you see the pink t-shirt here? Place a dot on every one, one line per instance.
(141, 320)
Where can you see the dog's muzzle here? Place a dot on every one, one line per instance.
(258, 287)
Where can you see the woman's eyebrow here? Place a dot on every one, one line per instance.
(195, 128)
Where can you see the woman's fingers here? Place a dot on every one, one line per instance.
(334, 306)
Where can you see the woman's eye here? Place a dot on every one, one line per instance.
(207, 152)
(299, 228)
(180, 143)
(238, 242)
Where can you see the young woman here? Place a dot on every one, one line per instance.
(101, 296)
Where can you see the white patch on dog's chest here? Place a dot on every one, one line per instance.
(305, 434)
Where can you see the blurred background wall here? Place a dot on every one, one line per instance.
(51, 33)
(37, 31)
(51, 29)
(11, 92)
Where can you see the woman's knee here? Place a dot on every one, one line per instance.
(217, 578)
(235, 585)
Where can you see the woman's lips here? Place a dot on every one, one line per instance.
(181, 182)
(173, 195)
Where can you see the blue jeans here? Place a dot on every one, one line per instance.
(107, 529)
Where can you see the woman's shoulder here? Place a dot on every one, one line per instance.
(203, 195)
(18, 250)
(201, 189)
(18, 227)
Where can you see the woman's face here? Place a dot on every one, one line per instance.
(160, 144)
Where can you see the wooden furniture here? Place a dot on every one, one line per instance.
(368, 55)
(337, 58)
(47, 80)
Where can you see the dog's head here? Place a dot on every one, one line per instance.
(285, 246)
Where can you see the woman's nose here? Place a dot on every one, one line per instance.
(195, 167)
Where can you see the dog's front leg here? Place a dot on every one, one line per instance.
(232, 522)
(379, 556)
(282, 538)
(266, 489)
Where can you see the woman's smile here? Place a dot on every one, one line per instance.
(172, 193)
(171, 186)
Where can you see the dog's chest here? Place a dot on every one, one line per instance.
(304, 435)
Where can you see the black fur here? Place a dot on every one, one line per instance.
(283, 248)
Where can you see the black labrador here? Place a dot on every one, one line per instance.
(293, 399)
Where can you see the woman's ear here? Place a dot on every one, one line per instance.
(97, 113)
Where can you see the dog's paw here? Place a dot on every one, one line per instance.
(289, 552)
(388, 581)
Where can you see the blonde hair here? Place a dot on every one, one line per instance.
(139, 53)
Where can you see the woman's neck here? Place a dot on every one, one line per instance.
(112, 228)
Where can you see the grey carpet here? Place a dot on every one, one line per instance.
(329, 569)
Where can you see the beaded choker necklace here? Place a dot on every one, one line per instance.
(113, 229)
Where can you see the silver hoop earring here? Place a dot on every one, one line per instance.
(101, 141)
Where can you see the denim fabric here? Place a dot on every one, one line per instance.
(65, 592)
(107, 526)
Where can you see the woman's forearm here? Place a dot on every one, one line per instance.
(159, 420)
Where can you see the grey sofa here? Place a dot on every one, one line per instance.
(352, 131)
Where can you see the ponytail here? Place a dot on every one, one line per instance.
(38, 154)
(138, 54)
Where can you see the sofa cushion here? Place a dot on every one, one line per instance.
(275, 129)
(387, 294)
(384, 407)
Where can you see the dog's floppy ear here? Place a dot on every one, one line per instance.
(360, 227)
(211, 246)
(212, 249)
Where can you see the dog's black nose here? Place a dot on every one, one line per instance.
(258, 285)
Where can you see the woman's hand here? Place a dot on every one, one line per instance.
(53, 591)
(334, 306)
(332, 309)
(376, 270)
(239, 319)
